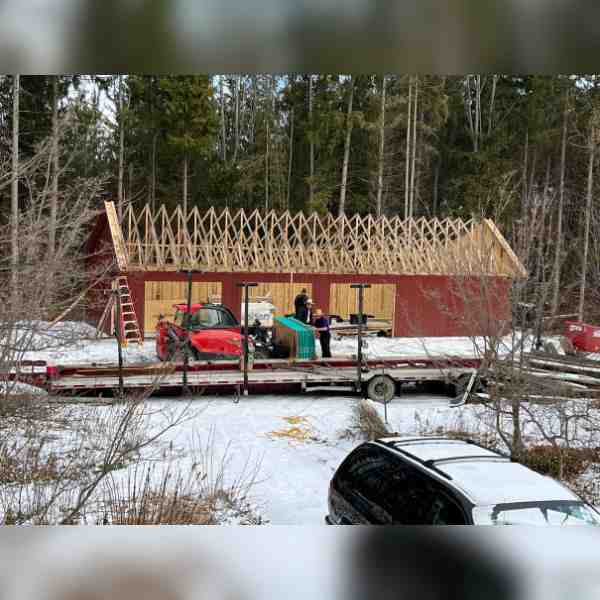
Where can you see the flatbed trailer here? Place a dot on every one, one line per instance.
(381, 379)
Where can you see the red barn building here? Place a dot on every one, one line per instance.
(429, 277)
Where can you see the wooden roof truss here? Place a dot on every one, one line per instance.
(257, 242)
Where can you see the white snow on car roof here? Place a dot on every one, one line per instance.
(499, 482)
(440, 449)
(485, 476)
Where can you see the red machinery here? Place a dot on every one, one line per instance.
(214, 333)
(584, 337)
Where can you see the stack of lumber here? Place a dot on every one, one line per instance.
(546, 377)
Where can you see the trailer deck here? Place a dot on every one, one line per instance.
(265, 376)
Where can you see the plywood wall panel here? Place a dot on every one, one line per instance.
(379, 300)
(159, 297)
(282, 294)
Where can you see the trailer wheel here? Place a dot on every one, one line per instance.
(381, 388)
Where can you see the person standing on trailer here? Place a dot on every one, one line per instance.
(300, 304)
(305, 313)
(321, 324)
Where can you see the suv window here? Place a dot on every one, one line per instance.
(422, 500)
(364, 481)
(386, 489)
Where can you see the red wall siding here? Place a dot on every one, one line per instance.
(425, 305)
(446, 306)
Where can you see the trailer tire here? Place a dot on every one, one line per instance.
(381, 388)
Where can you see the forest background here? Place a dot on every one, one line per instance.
(518, 149)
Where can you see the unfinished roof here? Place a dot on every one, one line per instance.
(297, 243)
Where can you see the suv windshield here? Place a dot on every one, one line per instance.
(537, 513)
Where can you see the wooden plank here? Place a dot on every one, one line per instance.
(517, 265)
(117, 236)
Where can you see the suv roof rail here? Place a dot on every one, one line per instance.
(424, 440)
(416, 459)
(486, 457)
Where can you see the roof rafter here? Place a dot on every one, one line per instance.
(282, 242)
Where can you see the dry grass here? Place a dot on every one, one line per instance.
(367, 422)
(205, 494)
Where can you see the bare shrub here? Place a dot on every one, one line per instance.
(367, 422)
(204, 494)
(565, 464)
(51, 472)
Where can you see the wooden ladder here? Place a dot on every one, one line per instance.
(130, 328)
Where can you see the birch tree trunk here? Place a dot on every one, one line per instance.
(469, 111)
(381, 150)
(478, 110)
(153, 186)
(311, 185)
(436, 183)
(121, 152)
(185, 184)
(407, 165)
(223, 134)
(520, 232)
(290, 159)
(129, 194)
(237, 118)
(267, 170)
(542, 237)
(588, 218)
(559, 218)
(15, 184)
(342, 208)
(492, 101)
(55, 166)
(413, 150)
(524, 193)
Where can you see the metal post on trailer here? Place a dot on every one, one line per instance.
(187, 320)
(360, 287)
(246, 285)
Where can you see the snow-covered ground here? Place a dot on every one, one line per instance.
(298, 441)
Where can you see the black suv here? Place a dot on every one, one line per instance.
(442, 481)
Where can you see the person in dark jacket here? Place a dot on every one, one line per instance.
(300, 304)
(321, 324)
(305, 314)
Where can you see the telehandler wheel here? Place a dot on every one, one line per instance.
(381, 388)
